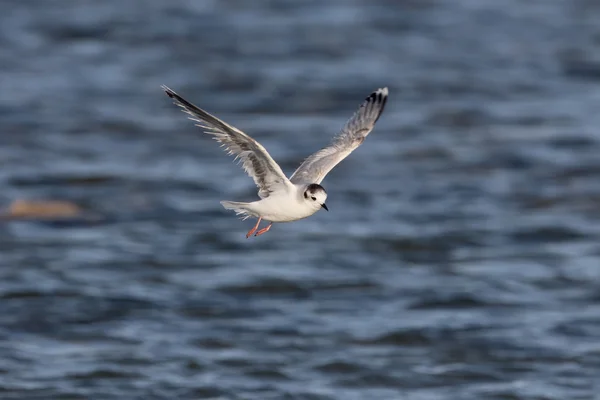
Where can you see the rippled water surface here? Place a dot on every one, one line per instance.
(459, 259)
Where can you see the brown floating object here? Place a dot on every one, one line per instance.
(41, 209)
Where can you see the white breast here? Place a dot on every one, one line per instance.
(284, 208)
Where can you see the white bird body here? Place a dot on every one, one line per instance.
(282, 207)
(300, 196)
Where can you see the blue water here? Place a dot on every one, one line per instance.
(460, 259)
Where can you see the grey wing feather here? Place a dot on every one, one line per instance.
(256, 161)
(317, 166)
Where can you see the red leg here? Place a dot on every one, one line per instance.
(251, 231)
(263, 230)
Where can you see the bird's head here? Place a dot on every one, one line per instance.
(316, 194)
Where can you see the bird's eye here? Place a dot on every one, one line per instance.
(314, 198)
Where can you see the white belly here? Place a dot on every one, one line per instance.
(279, 209)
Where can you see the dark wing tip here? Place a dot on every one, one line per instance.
(378, 97)
(168, 91)
(178, 99)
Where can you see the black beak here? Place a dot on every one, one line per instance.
(324, 206)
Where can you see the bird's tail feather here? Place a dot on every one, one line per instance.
(239, 208)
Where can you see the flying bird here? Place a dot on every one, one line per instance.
(283, 199)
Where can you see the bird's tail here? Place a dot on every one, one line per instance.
(239, 208)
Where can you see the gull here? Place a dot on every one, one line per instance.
(283, 199)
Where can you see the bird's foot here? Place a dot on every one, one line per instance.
(251, 231)
(263, 230)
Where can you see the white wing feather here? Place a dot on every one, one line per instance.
(256, 161)
(317, 166)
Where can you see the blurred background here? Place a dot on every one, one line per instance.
(460, 256)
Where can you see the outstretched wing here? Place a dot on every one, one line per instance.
(315, 167)
(257, 162)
